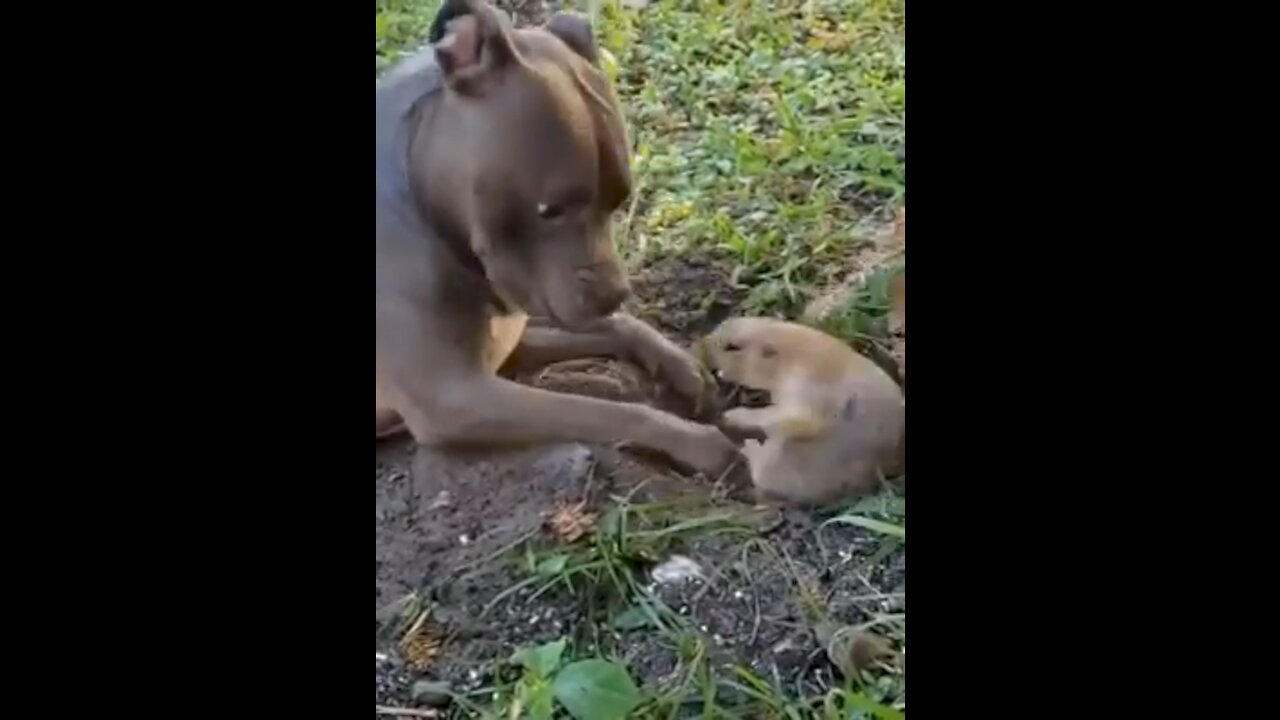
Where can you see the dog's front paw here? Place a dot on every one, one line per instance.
(707, 450)
(681, 372)
(666, 362)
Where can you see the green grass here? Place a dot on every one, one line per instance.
(769, 130)
(604, 574)
(862, 318)
(772, 132)
(399, 25)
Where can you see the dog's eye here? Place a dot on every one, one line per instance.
(550, 212)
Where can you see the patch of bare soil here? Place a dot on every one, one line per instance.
(449, 529)
(687, 296)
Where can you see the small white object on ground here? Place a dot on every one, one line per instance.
(677, 569)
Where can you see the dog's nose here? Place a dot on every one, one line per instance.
(607, 297)
(604, 289)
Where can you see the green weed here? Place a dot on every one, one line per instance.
(764, 130)
(773, 133)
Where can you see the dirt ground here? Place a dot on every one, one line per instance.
(450, 532)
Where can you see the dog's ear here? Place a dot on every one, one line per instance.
(475, 43)
(575, 30)
(449, 10)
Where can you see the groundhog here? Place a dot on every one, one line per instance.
(836, 425)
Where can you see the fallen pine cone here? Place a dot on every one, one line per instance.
(570, 522)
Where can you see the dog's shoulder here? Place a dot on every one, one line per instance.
(405, 85)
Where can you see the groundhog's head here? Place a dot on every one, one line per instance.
(746, 351)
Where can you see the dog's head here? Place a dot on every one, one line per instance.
(529, 159)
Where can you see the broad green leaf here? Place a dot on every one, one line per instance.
(553, 566)
(632, 618)
(538, 698)
(596, 690)
(543, 660)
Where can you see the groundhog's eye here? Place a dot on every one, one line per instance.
(732, 347)
(769, 351)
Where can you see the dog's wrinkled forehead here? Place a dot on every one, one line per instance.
(541, 121)
(547, 109)
(558, 141)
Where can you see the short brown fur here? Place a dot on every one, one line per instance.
(836, 424)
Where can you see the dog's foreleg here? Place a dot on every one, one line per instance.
(621, 337)
(487, 410)
(541, 346)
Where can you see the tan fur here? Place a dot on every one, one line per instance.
(837, 421)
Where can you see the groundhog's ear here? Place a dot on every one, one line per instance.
(575, 30)
(474, 44)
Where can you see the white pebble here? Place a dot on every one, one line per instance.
(676, 569)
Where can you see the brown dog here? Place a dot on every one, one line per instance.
(500, 156)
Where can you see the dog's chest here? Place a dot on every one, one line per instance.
(505, 332)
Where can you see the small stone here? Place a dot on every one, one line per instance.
(443, 500)
(431, 693)
(677, 569)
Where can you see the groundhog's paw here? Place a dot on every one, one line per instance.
(740, 418)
